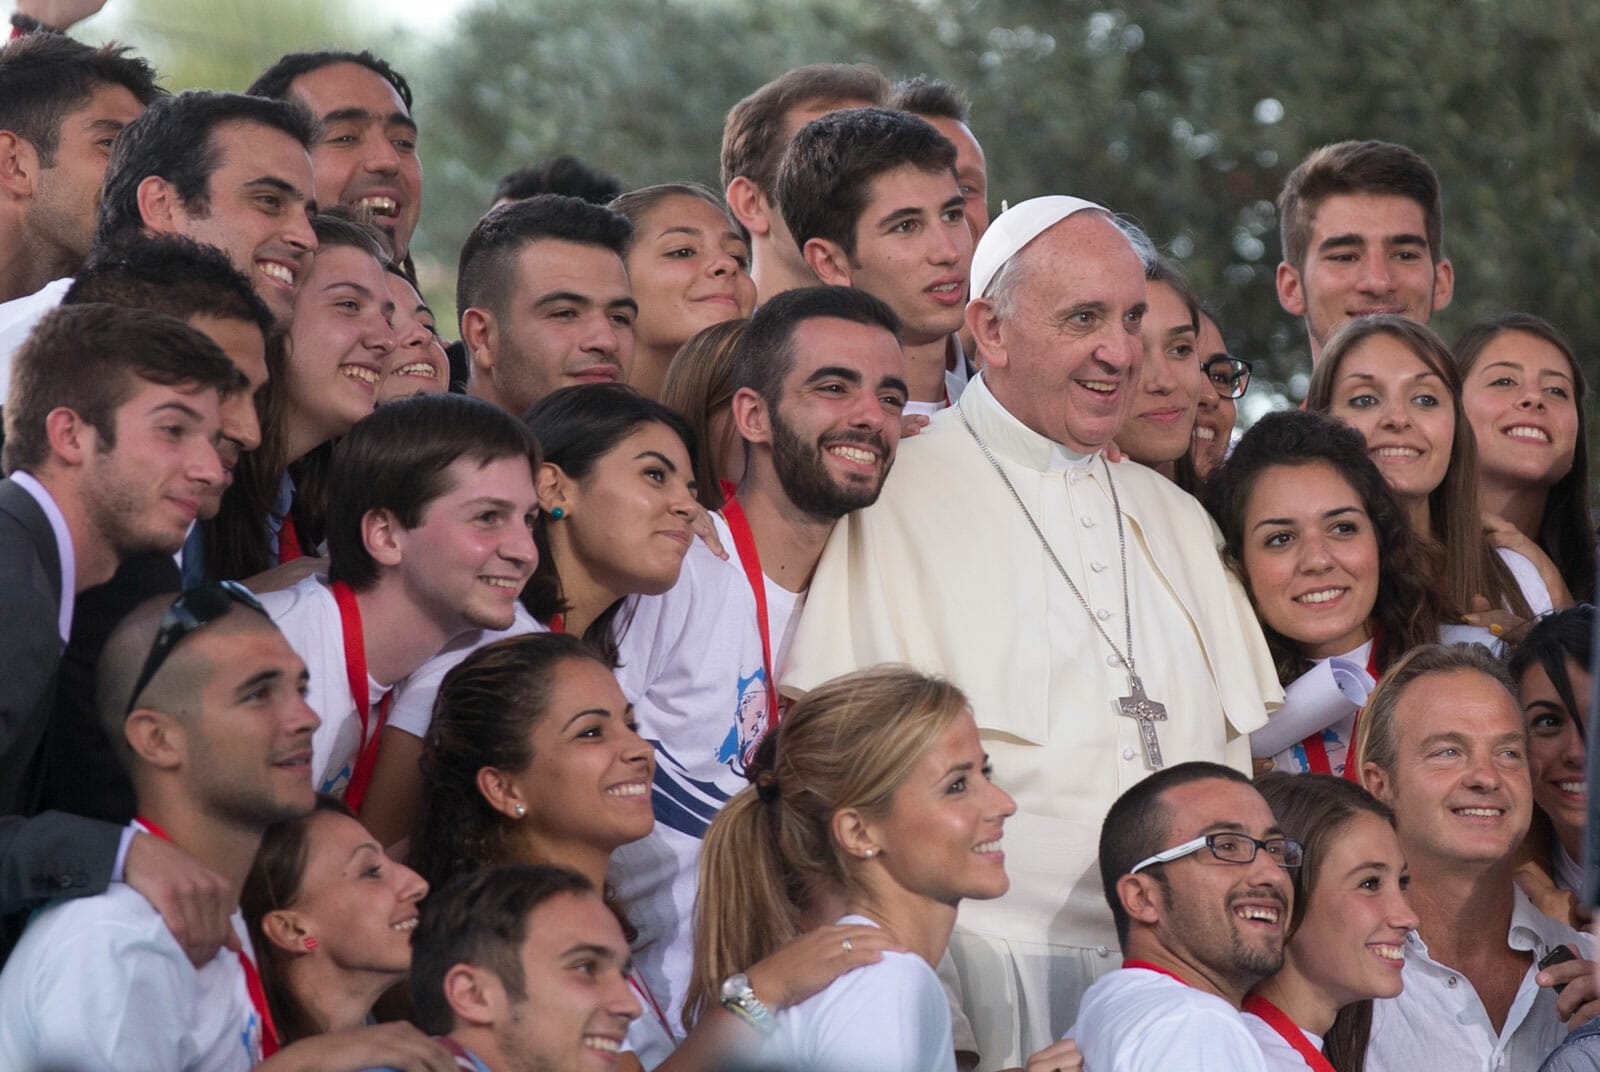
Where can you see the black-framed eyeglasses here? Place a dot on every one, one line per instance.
(195, 608)
(1230, 848)
(1229, 375)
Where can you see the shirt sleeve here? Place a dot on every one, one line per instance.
(891, 1015)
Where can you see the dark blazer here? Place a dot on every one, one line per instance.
(53, 854)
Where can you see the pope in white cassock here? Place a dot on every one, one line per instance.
(1083, 606)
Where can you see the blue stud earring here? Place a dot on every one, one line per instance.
(556, 513)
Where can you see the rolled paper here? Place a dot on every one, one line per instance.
(1332, 691)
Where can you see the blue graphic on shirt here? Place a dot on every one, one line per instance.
(749, 723)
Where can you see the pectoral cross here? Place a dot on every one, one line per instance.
(1146, 712)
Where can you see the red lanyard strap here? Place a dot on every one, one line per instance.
(252, 977)
(355, 667)
(1279, 1021)
(744, 542)
(288, 541)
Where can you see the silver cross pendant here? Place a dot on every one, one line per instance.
(1146, 712)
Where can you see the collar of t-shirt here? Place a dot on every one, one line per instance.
(64, 551)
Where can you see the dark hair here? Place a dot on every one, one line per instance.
(753, 132)
(1356, 167)
(1553, 639)
(487, 271)
(827, 170)
(274, 884)
(237, 540)
(1409, 608)
(576, 427)
(1471, 566)
(396, 459)
(274, 82)
(175, 140)
(636, 204)
(1565, 531)
(45, 76)
(698, 384)
(766, 353)
(564, 175)
(1314, 810)
(484, 716)
(170, 274)
(87, 358)
(481, 919)
(926, 96)
(1137, 826)
(1162, 270)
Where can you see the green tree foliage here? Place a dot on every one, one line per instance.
(1184, 114)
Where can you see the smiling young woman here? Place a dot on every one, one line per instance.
(1394, 381)
(1523, 390)
(1347, 936)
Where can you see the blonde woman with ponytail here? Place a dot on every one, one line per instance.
(877, 810)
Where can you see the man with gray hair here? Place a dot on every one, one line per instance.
(1086, 629)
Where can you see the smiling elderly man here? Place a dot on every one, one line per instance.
(1085, 627)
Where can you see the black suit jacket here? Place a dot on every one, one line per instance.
(54, 854)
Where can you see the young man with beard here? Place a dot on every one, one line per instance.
(431, 509)
(1443, 742)
(1362, 227)
(109, 446)
(1194, 869)
(819, 390)
(365, 156)
(872, 199)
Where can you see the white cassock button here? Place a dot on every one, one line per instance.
(1102, 951)
(1102, 614)
(1087, 521)
(1098, 567)
(1127, 753)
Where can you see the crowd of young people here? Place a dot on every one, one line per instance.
(618, 686)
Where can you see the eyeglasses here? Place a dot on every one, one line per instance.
(1231, 848)
(1229, 375)
(195, 608)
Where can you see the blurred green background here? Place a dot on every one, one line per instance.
(1184, 115)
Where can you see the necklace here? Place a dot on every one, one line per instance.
(1136, 705)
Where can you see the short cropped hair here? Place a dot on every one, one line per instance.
(926, 96)
(395, 460)
(1377, 737)
(564, 175)
(827, 170)
(765, 354)
(1138, 826)
(44, 77)
(480, 918)
(174, 140)
(1357, 167)
(752, 134)
(87, 358)
(170, 274)
(275, 80)
(487, 272)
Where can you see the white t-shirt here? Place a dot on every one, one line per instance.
(1279, 1055)
(1526, 574)
(308, 615)
(691, 663)
(99, 983)
(891, 1016)
(1136, 1020)
(412, 708)
(18, 318)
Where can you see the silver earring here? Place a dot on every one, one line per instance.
(520, 810)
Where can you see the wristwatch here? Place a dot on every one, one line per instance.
(739, 998)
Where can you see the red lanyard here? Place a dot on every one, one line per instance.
(642, 988)
(288, 541)
(355, 668)
(744, 542)
(558, 623)
(1280, 1022)
(1317, 752)
(1147, 966)
(252, 978)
